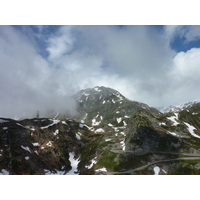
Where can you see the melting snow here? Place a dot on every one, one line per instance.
(173, 119)
(26, 148)
(113, 100)
(99, 130)
(162, 123)
(55, 121)
(78, 136)
(91, 165)
(191, 130)
(74, 164)
(35, 144)
(81, 125)
(36, 152)
(49, 144)
(84, 118)
(64, 122)
(104, 101)
(27, 157)
(102, 169)
(5, 128)
(194, 113)
(123, 133)
(110, 124)
(119, 120)
(107, 140)
(125, 124)
(4, 172)
(123, 144)
(156, 170)
(95, 123)
(172, 133)
(56, 132)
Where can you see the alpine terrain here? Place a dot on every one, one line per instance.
(110, 135)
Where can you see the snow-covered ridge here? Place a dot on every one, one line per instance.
(177, 108)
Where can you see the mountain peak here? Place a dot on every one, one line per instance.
(98, 93)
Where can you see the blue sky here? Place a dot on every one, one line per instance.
(157, 65)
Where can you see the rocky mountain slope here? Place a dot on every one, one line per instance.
(111, 135)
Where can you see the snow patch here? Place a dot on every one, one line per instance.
(83, 120)
(191, 130)
(123, 145)
(26, 148)
(156, 170)
(122, 133)
(78, 136)
(4, 172)
(119, 120)
(74, 164)
(113, 100)
(81, 125)
(56, 132)
(172, 133)
(55, 121)
(64, 122)
(162, 123)
(107, 139)
(36, 152)
(35, 144)
(5, 128)
(173, 119)
(92, 163)
(27, 157)
(99, 130)
(95, 123)
(125, 124)
(49, 143)
(101, 170)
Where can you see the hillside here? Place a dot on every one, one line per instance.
(110, 135)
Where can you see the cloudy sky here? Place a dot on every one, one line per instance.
(41, 65)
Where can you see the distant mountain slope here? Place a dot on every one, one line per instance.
(101, 106)
(111, 135)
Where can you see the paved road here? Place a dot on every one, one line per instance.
(152, 163)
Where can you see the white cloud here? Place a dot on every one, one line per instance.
(27, 82)
(189, 33)
(136, 60)
(61, 43)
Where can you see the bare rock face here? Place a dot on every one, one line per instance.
(39, 146)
